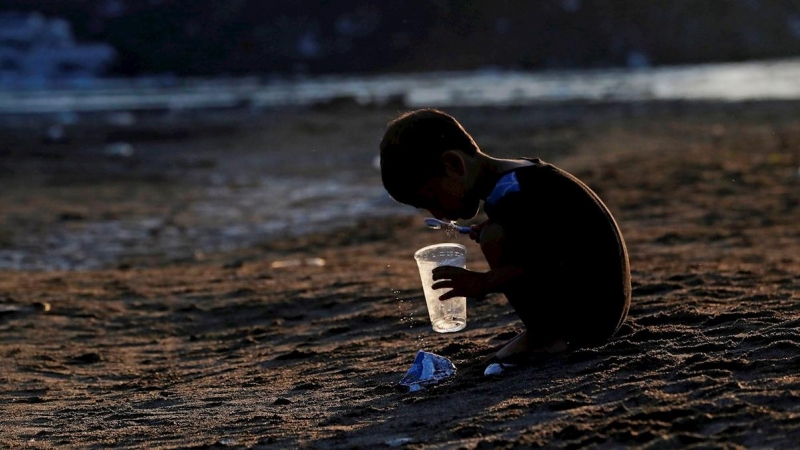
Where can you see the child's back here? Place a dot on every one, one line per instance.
(577, 275)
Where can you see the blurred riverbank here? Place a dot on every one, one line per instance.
(174, 187)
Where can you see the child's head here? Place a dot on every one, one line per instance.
(413, 149)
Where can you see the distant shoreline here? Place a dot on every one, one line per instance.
(747, 81)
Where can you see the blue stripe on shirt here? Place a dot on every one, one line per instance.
(507, 184)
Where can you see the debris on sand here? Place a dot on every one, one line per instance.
(427, 369)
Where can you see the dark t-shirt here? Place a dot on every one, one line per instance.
(564, 236)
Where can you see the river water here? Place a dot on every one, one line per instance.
(760, 80)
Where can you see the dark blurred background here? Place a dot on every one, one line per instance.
(238, 37)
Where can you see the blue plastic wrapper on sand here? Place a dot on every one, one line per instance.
(427, 369)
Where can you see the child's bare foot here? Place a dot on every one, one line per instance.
(521, 347)
(516, 347)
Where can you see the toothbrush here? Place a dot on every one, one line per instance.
(437, 224)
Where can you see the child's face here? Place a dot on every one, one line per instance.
(447, 197)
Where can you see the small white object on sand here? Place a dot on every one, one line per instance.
(497, 368)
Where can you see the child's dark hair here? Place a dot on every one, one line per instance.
(411, 150)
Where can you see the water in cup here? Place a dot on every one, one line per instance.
(449, 315)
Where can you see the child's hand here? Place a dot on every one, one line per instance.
(475, 231)
(462, 282)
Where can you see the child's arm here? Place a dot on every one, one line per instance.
(466, 283)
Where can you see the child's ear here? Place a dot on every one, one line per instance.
(454, 162)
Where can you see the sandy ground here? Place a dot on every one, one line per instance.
(266, 347)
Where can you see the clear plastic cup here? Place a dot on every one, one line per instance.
(449, 315)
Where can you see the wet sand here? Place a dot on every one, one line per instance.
(299, 342)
